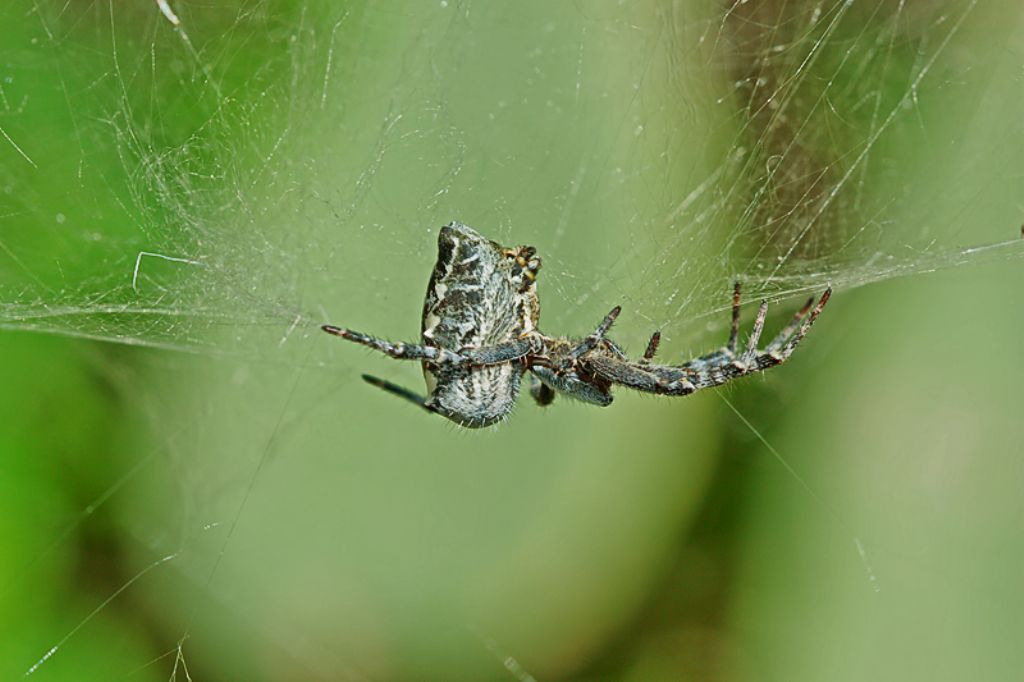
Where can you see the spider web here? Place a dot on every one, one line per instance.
(212, 183)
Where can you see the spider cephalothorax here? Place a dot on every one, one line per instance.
(479, 336)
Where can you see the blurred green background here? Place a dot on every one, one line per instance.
(195, 484)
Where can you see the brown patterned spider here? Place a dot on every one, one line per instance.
(479, 336)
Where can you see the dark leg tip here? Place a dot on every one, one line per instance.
(331, 329)
(374, 380)
(652, 345)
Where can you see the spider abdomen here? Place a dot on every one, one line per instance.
(481, 294)
(478, 396)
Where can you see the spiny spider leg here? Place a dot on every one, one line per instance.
(806, 326)
(490, 355)
(776, 353)
(734, 330)
(591, 341)
(401, 392)
(715, 368)
(755, 334)
(788, 330)
(502, 352)
(399, 351)
(606, 323)
(726, 353)
(542, 393)
(652, 348)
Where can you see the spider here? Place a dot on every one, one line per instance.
(480, 336)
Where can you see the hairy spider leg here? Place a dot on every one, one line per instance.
(502, 352)
(542, 394)
(398, 351)
(727, 353)
(640, 376)
(489, 355)
(806, 326)
(572, 386)
(787, 331)
(401, 392)
(753, 360)
(715, 368)
(652, 347)
(606, 323)
(734, 330)
(755, 334)
(589, 343)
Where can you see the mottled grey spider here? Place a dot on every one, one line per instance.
(479, 336)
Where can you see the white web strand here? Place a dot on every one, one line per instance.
(861, 553)
(21, 152)
(92, 614)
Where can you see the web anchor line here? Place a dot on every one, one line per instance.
(861, 553)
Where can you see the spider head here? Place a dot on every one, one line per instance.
(528, 260)
(525, 263)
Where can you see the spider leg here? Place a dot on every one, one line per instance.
(734, 330)
(787, 331)
(755, 334)
(805, 327)
(715, 368)
(489, 355)
(590, 343)
(652, 348)
(541, 392)
(573, 386)
(727, 353)
(395, 389)
(398, 351)
(641, 377)
(502, 352)
(606, 323)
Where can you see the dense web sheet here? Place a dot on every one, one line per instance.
(231, 177)
(798, 106)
